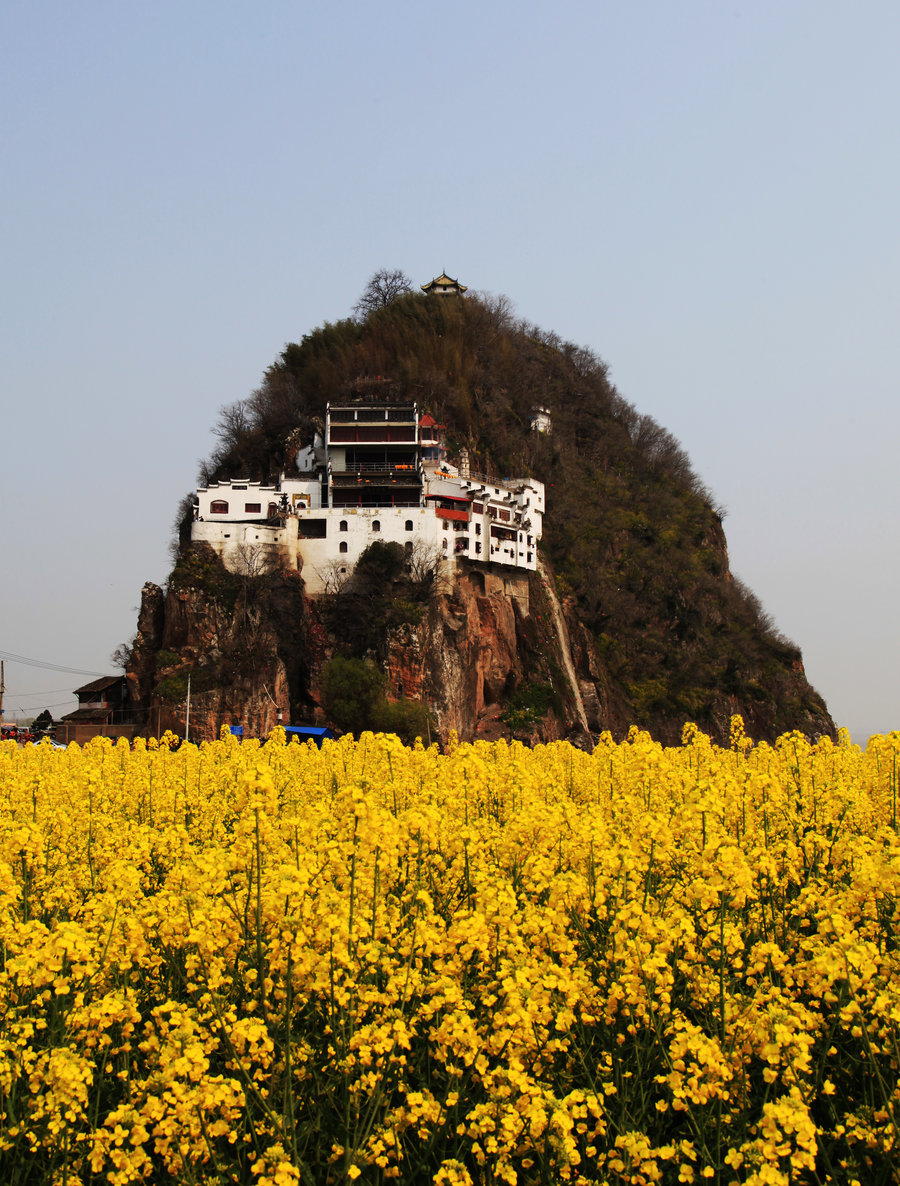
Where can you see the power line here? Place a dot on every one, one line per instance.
(11, 658)
(21, 710)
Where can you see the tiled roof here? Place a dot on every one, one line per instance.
(88, 716)
(99, 685)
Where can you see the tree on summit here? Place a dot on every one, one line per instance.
(384, 286)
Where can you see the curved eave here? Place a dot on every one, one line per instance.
(444, 281)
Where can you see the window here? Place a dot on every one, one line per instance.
(343, 524)
(443, 543)
(238, 487)
(409, 525)
(252, 508)
(219, 507)
(408, 545)
(343, 546)
(376, 525)
(478, 529)
(478, 549)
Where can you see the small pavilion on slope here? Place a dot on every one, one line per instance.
(444, 285)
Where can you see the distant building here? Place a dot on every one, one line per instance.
(103, 711)
(541, 420)
(444, 285)
(381, 472)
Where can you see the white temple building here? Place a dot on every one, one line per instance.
(381, 472)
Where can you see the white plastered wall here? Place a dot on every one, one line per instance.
(242, 543)
(250, 547)
(323, 559)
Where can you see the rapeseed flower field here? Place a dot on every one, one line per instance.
(276, 965)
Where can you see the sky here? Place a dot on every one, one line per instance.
(705, 194)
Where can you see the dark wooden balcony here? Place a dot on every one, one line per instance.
(379, 473)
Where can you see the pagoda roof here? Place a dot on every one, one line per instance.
(428, 421)
(443, 281)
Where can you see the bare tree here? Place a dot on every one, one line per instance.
(427, 570)
(181, 527)
(233, 423)
(121, 656)
(384, 286)
(422, 563)
(254, 560)
(334, 575)
(500, 309)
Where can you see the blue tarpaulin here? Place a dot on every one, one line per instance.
(316, 733)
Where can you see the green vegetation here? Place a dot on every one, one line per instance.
(352, 689)
(198, 567)
(529, 703)
(355, 700)
(389, 588)
(172, 689)
(409, 719)
(378, 567)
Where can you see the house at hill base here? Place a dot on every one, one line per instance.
(380, 472)
(103, 710)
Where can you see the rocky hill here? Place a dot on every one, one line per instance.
(632, 618)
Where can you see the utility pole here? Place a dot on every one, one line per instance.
(187, 715)
(2, 686)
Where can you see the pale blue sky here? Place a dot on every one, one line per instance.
(705, 194)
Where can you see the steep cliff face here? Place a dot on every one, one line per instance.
(243, 643)
(481, 642)
(482, 638)
(494, 654)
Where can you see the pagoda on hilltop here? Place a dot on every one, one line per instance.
(443, 285)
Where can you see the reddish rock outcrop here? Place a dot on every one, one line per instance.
(489, 651)
(242, 648)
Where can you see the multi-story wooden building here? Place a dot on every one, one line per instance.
(381, 472)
